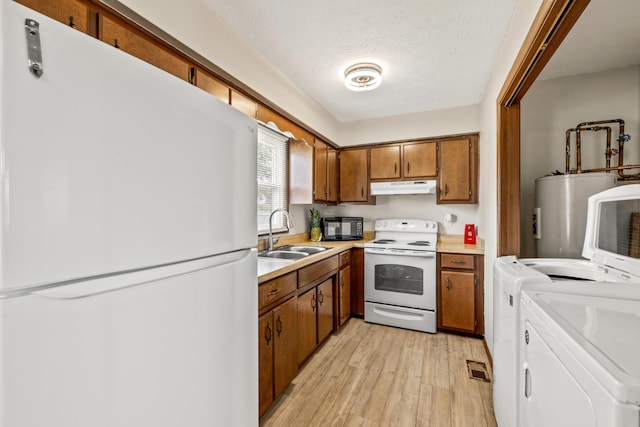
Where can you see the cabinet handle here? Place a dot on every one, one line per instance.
(446, 189)
(279, 325)
(342, 282)
(268, 334)
(325, 191)
(395, 168)
(457, 261)
(313, 302)
(408, 167)
(362, 191)
(115, 44)
(72, 23)
(320, 297)
(527, 383)
(273, 293)
(448, 284)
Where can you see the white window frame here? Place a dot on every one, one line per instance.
(274, 182)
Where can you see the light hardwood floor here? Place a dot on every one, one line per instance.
(373, 375)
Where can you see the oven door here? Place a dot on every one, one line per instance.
(402, 278)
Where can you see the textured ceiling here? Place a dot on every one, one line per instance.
(435, 54)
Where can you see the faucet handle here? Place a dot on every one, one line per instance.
(275, 241)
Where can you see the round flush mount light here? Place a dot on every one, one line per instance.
(363, 76)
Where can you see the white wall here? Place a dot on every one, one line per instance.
(521, 21)
(411, 126)
(551, 107)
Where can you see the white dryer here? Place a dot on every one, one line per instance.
(580, 347)
(609, 228)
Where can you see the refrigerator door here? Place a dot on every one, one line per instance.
(167, 347)
(110, 164)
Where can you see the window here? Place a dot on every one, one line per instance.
(272, 178)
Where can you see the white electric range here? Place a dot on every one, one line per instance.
(400, 274)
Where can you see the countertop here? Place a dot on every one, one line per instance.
(454, 243)
(270, 268)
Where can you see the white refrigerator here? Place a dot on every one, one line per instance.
(128, 278)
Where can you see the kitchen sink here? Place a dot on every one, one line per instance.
(292, 252)
(300, 248)
(283, 254)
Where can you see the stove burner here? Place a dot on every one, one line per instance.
(419, 243)
(384, 241)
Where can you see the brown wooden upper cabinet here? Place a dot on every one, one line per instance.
(354, 184)
(210, 84)
(243, 103)
(403, 161)
(70, 12)
(325, 173)
(457, 177)
(135, 43)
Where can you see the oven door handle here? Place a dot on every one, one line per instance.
(392, 252)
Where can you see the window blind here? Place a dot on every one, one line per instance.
(273, 153)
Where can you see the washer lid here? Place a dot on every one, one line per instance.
(612, 237)
(602, 321)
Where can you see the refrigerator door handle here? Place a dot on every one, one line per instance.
(111, 283)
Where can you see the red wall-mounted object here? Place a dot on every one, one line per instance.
(469, 234)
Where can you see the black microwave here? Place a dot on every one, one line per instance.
(342, 228)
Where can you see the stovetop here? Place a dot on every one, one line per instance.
(411, 234)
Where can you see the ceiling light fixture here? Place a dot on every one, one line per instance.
(363, 76)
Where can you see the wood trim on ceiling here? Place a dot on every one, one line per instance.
(554, 20)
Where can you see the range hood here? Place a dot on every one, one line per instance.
(403, 187)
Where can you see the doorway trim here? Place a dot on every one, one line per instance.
(554, 20)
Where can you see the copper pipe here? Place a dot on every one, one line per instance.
(621, 140)
(578, 130)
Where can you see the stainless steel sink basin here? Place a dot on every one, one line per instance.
(283, 254)
(301, 248)
(292, 252)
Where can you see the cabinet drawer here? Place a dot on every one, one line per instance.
(345, 258)
(275, 289)
(316, 271)
(466, 262)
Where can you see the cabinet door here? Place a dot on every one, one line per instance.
(325, 309)
(285, 318)
(265, 357)
(300, 172)
(353, 175)
(458, 168)
(134, 43)
(212, 85)
(385, 162)
(70, 12)
(243, 103)
(332, 175)
(419, 160)
(320, 171)
(458, 300)
(344, 289)
(307, 305)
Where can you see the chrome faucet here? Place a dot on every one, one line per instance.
(289, 225)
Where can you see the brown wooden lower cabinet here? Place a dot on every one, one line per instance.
(460, 294)
(277, 337)
(315, 318)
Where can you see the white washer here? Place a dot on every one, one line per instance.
(604, 264)
(580, 346)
